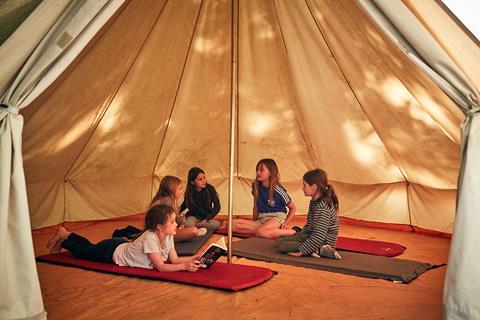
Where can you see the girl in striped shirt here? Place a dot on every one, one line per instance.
(319, 235)
(272, 207)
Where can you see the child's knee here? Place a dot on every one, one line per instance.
(279, 245)
(262, 233)
(278, 242)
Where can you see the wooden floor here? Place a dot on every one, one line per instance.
(294, 293)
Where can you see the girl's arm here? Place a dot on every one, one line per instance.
(216, 203)
(157, 261)
(183, 207)
(255, 211)
(292, 208)
(255, 208)
(321, 223)
(175, 259)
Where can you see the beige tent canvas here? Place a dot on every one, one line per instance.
(318, 86)
(312, 83)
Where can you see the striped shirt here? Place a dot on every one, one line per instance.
(321, 227)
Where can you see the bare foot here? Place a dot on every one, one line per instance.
(55, 243)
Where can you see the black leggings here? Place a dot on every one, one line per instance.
(81, 248)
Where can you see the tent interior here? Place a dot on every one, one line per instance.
(318, 86)
(314, 84)
(294, 293)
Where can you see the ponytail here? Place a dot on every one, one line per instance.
(327, 193)
(330, 196)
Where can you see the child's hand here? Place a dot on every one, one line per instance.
(191, 266)
(296, 254)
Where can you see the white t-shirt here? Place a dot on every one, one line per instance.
(134, 254)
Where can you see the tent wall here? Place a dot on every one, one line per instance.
(319, 85)
(72, 27)
(461, 47)
(18, 46)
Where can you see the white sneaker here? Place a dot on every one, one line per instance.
(202, 231)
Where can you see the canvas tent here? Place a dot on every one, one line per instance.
(136, 90)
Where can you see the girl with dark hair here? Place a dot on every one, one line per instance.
(273, 208)
(151, 250)
(201, 200)
(319, 235)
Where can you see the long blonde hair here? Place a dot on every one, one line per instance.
(167, 189)
(274, 178)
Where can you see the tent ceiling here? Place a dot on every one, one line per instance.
(318, 85)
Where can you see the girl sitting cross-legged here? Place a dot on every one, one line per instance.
(201, 200)
(319, 235)
(272, 207)
(150, 250)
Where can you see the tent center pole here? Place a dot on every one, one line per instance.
(233, 114)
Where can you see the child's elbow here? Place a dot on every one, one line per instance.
(160, 267)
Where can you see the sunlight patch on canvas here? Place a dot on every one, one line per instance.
(362, 148)
(260, 124)
(71, 135)
(204, 45)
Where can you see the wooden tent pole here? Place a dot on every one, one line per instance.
(233, 117)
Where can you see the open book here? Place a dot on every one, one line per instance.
(215, 251)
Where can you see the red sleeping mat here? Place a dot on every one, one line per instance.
(378, 248)
(232, 277)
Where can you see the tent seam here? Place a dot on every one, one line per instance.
(298, 109)
(77, 59)
(397, 48)
(95, 126)
(400, 168)
(176, 95)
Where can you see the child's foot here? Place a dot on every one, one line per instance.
(129, 233)
(55, 243)
(328, 252)
(202, 231)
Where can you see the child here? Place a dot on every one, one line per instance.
(169, 191)
(202, 201)
(319, 236)
(270, 203)
(151, 250)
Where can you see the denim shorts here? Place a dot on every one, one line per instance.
(277, 216)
